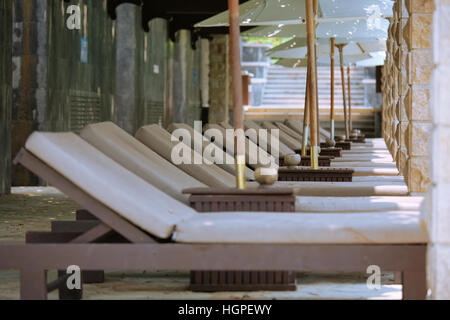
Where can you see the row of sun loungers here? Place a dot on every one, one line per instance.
(144, 221)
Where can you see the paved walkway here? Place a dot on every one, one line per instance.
(34, 208)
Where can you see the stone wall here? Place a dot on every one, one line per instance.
(406, 90)
(437, 206)
(6, 14)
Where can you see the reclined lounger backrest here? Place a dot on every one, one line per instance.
(228, 164)
(123, 148)
(289, 131)
(282, 148)
(108, 182)
(292, 143)
(252, 158)
(159, 140)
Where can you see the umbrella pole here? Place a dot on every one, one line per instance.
(341, 58)
(236, 84)
(332, 89)
(317, 98)
(350, 125)
(310, 34)
(305, 135)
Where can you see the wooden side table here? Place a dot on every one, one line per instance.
(255, 199)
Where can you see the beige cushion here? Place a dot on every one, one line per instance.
(295, 124)
(292, 143)
(345, 189)
(229, 159)
(159, 140)
(139, 159)
(282, 148)
(288, 130)
(356, 204)
(252, 158)
(110, 183)
(317, 228)
(367, 164)
(366, 171)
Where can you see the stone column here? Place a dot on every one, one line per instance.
(29, 78)
(419, 64)
(219, 79)
(125, 90)
(437, 206)
(6, 14)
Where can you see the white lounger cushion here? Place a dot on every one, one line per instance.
(139, 159)
(159, 140)
(356, 204)
(345, 189)
(107, 181)
(317, 228)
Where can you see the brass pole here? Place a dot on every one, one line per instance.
(310, 35)
(341, 58)
(350, 126)
(236, 84)
(305, 135)
(332, 40)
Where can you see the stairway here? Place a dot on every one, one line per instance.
(285, 87)
(284, 97)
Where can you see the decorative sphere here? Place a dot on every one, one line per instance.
(292, 159)
(266, 176)
(330, 143)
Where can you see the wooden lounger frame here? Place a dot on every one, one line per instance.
(145, 252)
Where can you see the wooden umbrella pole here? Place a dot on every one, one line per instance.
(305, 135)
(341, 58)
(332, 40)
(317, 97)
(350, 125)
(310, 35)
(236, 84)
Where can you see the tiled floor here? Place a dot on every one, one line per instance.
(33, 209)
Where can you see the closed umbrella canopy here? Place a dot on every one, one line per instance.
(323, 61)
(377, 59)
(356, 30)
(273, 12)
(322, 50)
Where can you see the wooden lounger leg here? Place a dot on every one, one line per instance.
(65, 293)
(33, 284)
(397, 277)
(414, 285)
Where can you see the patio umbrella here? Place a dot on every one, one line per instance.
(296, 48)
(353, 29)
(274, 12)
(311, 10)
(322, 50)
(236, 82)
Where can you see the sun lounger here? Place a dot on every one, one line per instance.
(134, 156)
(228, 163)
(138, 158)
(159, 140)
(165, 234)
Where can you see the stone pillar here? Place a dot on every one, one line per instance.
(180, 69)
(437, 206)
(29, 78)
(125, 95)
(6, 14)
(219, 83)
(417, 36)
